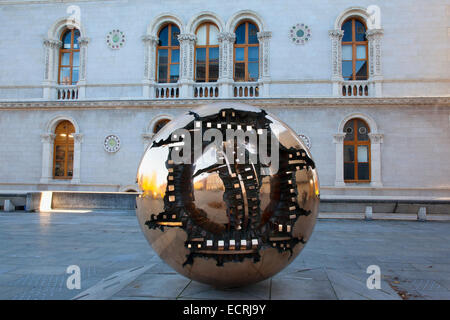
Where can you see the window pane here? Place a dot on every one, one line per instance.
(162, 73)
(201, 36)
(175, 56)
(253, 72)
(65, 59)
(200, 72)
(360, 31)
(347, 69)
(76, 59)
(361, 70)
(363, 154)
(174, 72)
(349, 153)
(253, 54)
(348, 130)
(347, 27)
(347, 52)
(360, 52)
(175, 34)
(213, 34)
(363, 171)
(214, 55)
(163, 56)
(59, 169)
(240, 34)
(349, 171)
(239, 54)
(164, 36)
(59, 153)
(76, 36)
(200, 55)
(66, 40)
(252, 34)
(64, 76)
(362, 131)
(75, 75)
(213, 72)
(239, 71)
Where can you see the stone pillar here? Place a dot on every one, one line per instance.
(47, 156)
(264, 62)
(226, 47)
(336, 60)
(148, 84)
(376, 139)
(51, 47)
(187, 43)
(78, 139)
(375, 71)
(83, 42)
(338, 139)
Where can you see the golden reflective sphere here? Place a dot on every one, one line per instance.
(230, 194)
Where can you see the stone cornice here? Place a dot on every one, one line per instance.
(274, 103)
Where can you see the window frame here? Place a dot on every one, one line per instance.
(207, 47)
(71, 51)
(169, 49)
(354, 44)
(68, 146)
(246, 45)
(355, 143)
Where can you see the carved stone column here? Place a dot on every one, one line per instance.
(264, 61)
(47, 140)
(148, 84)
(375, 71)
(51, 47)
(83, 42)
(187, 44)
(376, 139)
(338, 139)
(336, 60)
(225, 81)
(78, 139)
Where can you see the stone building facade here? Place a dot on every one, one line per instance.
(116, 99)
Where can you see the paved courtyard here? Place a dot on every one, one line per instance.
(117, 263)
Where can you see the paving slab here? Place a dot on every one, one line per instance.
(414, 258)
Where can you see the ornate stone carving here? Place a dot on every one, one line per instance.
(187, 42)
(264, 43)
(338, 138)
(374, 37)
(48, 137)
(306, 140)
(376, 137)
(150, 43)
(78, 137)
(226, 41)
(336, 37)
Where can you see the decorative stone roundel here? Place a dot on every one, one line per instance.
(306, 140)
(300, 33)
(111, 143)
(115, 39)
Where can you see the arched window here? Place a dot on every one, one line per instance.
(354, 50)
(168, 54)
(356, 151)
(63, 150)
(207, 53)
(246, 53)
(69, 58)
(160, 124)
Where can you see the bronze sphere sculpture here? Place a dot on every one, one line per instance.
(230, 194)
